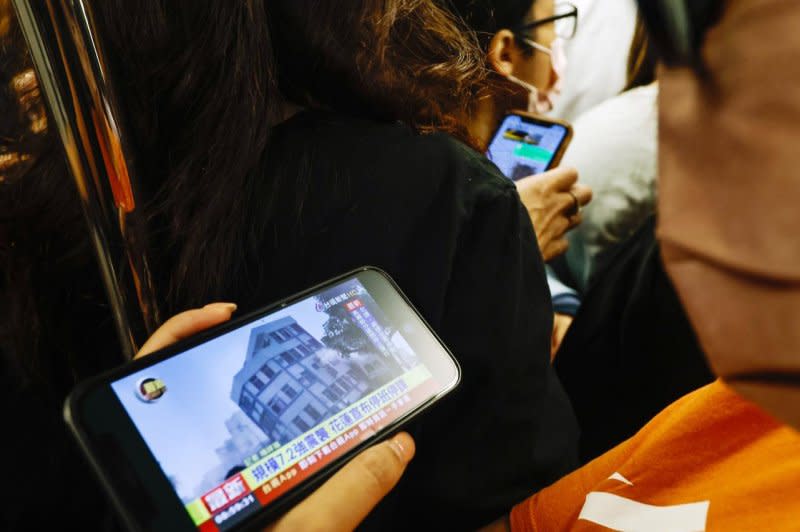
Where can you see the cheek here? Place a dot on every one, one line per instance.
(538, 71)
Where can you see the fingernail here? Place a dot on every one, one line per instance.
(403, 446)
(230, 307)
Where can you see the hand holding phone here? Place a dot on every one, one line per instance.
(228, 429)
(333, 506)
(344, 500)
(553, 201)
(527, 144)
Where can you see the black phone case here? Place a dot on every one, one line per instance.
(274, 510)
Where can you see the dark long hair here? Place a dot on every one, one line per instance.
(205, 89)
(204, 83)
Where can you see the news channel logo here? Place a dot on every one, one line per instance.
(150, 389)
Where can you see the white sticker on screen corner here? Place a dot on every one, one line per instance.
(619, 513)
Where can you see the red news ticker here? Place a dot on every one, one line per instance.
(267, 493)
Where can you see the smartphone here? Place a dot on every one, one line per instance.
(228, 429)
(527, 144)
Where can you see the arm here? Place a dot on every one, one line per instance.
(509, 427)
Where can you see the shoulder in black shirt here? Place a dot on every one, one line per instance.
(450, 229)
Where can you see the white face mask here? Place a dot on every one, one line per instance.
(538, 102)
(541, 102)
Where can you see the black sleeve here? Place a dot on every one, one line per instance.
(508, 430)
(450, 229)
(630, 338)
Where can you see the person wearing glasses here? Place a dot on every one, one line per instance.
(523, 42)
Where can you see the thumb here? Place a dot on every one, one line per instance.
(348, 496)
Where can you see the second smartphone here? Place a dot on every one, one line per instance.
(527, 144)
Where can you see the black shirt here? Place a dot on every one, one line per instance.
(631, 351)
(450, 229)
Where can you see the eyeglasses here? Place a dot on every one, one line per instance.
(565, 17)
(677, 27)
(536, 46)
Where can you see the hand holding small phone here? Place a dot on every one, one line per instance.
(526, 144)
(553, 201)
(346, 498)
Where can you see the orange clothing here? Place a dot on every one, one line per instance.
(711, 460)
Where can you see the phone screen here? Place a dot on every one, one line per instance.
(241, 419)
(523, 146)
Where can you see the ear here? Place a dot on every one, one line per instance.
(503, 53)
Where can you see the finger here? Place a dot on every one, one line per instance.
(560, 225)
(347, 497)
(574, 220)
(583, 193)
(557, 179)
(186, 324)
(554, 249)
(561, 179)
(567, 203)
